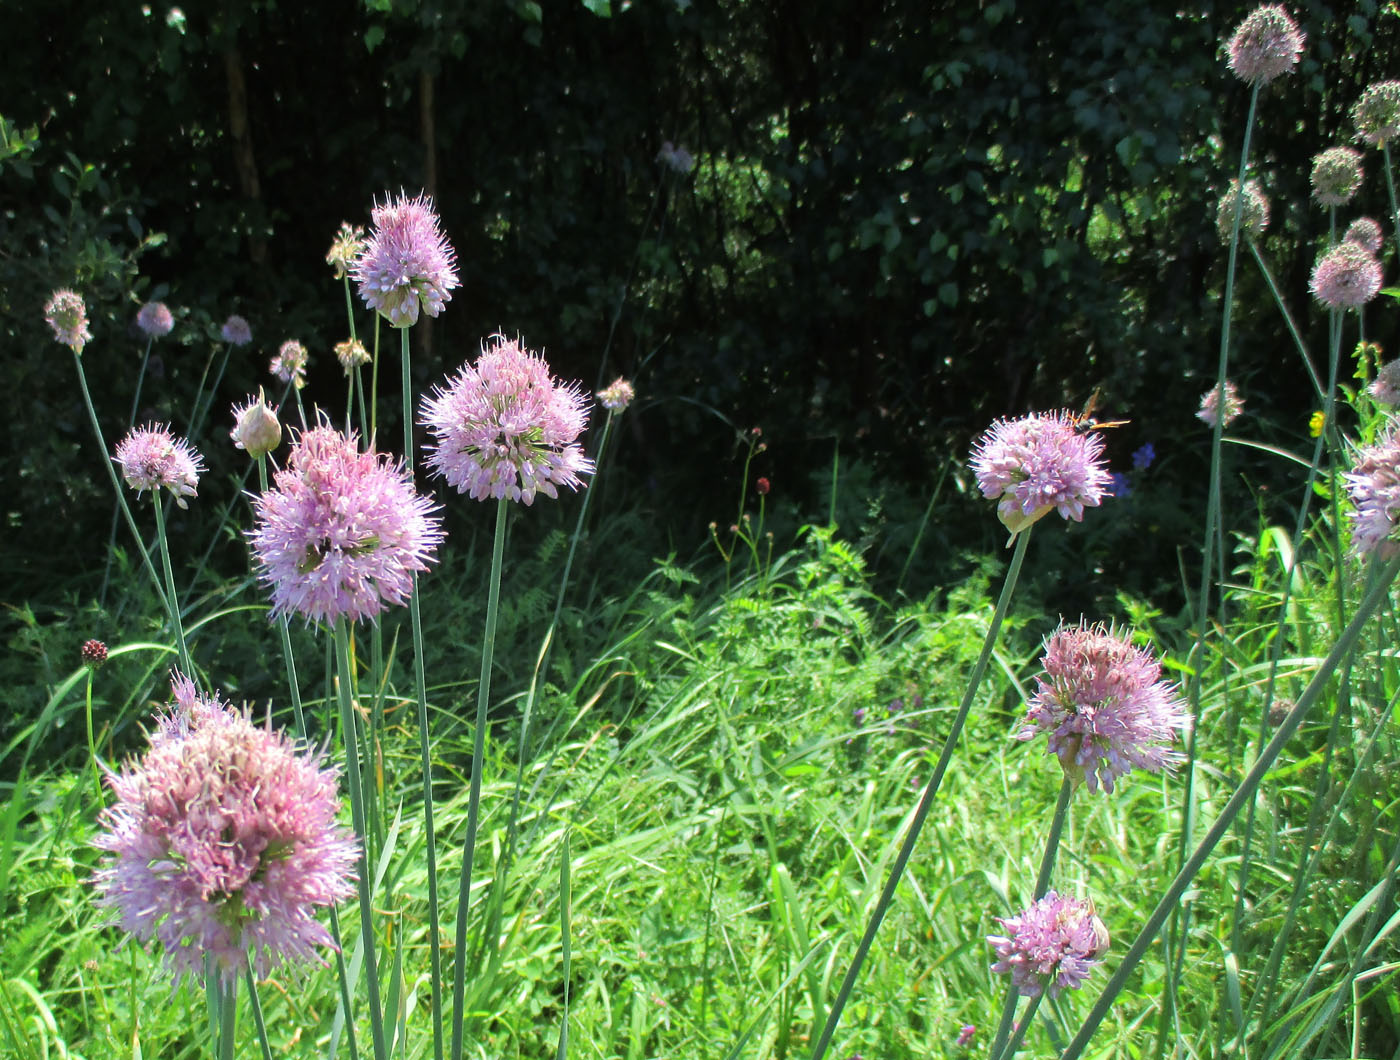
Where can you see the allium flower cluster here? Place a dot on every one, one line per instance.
(617, 396)
(151, 457)
(505, 428)
(1373, 484)
(1346, 276)
(1336, 174)
(1266, 45)
(1039, 463)
(255, 427)
(406, 263)
(223, 842)
(346, 248)
(1365, 233)
(1211, 410)
(154, 320)
(1376, 114)
(93, 654)
(1052, 946)
(1385, 388)
(289, 363)
(342, 532)
(1254, 213)
(236, 331)
(1103, 705)
(67, 316)
(351, 353)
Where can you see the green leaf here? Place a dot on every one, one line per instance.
(601, 8)
(948, 294)
(374, 37)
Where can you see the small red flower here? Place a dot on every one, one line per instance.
(94, 653)
(763, 486)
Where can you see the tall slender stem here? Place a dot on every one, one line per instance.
(483, 698)
(172, 598)
(1013, 572)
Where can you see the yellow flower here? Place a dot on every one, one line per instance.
(1316, 423)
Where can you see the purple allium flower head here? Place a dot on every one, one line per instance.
(1373, 484)
(154, 320)
(1385, 388)
(236, 331)
(504, 427)
(618, 396)
(67, 315)
(1143, 456)
(151, 457)
(342, 531)
(1210, 405)
(1376, 114)
(966, 1033)
(1266, 45)
(1039, 463)
(223, 842)
(93, 653)
(346, 248)
(407, 262)
(1336, 174)
(1104, 706)
(1346, 276)
(1365, 233)
(351, 353)
(1052, 946)
(289, 363)
(1254, 214)
(256, 428)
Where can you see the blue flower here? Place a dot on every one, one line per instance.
(1143, 457)
(1119, 486)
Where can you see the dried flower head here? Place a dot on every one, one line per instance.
(1210, 408)
(346, 248)
(351, 354)
(342, 532)
(1052, 946)
(1365, 233)
(255, 427)
(223, 843)
(236, 331)
(1346, 276)
(505, 428)
(67, 316)
(1266, 45)
(617, 396)
(1373, 484)
(1104, 706)
(1385, 388)
(1037, 464)
(151, 457)
(94, 654)
(1336, 174)
(406, 262)
(1254, 211)
(1376, 114)
(154, 320)
(289, 363)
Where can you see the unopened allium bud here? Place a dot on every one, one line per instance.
(151, 457)
(154, 320)
(1254, 213)
(1346, 276)
(1365, 233)
(351, 354)
(1211, 405)
(617, 396)
(1336, 174)
(236, 331)
(1385, 388)
(1376, 114)
(256, 428)
(67, 315)
(289, 363)
(94, 654)
(1266, 45)
(346, 248)
(762, 486)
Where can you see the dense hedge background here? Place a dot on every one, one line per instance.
(904, 220)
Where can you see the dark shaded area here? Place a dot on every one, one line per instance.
(905, 220)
